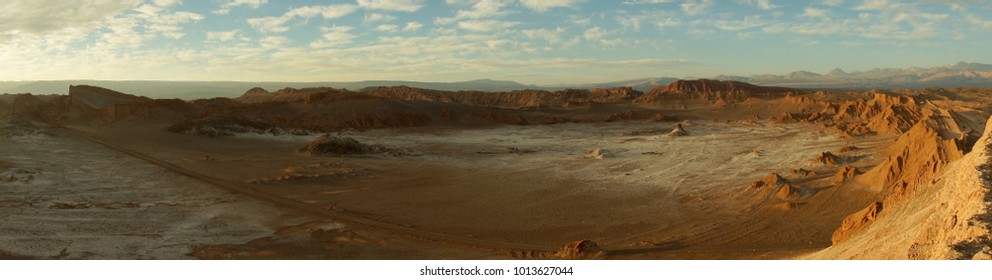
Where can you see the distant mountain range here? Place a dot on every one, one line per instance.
(957, 75)
(193, 90)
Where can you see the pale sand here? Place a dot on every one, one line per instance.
(87, 202)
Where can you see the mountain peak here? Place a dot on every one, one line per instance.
(837, 72)
(802, 74)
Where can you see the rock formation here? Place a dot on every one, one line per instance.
(828, 158)
(802, 173)
(914, 160)
(844, 174)
(597, 153)
(856, 221)
(678, 131)
(771, 181)
(577, 250)
(327, 145)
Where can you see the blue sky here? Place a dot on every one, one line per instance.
(532, 41)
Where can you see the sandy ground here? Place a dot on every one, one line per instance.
(534, 185)
(64, 198)
(85, 202)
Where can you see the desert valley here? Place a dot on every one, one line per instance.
(696, 169)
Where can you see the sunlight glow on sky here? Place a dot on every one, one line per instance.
(532, 41)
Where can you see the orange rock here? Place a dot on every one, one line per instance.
(582, 249)
(856, 221)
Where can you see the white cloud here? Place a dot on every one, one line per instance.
(278, 24)
(735, 25)
(222, 35)
(474, 38)
(599, 35)
(227, 6)
(486, 25)
(167, 24)
(979, 22)
(544, 5)
(881, 5)
(273, 42)
(882, 20)
(478, 9)
(412, 26)
(580, 21)
(667, 22)
(160, 21)
(814, 12)
(809, 28)
(765, 4)
(761, 4)
(630, 22)
(958, 5)
(696, 7)
(642, 2)
(387, 28)
(121, 34)
(377, 17)
(331, 11)
(167, 3)
(391, 5)
(552, 36)
(832, 2)
(333, 36)
(19, 17)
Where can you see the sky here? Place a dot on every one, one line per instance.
(542, 42)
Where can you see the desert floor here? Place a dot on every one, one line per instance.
(652, 196)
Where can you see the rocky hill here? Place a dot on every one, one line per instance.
(929, 214)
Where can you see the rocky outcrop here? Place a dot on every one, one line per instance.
(780, 192)
(830, 159)
(947, 217)
(714, 86)
(915, 159)
(96, 98)
(597, 153)
(856, 221)
(510, 100)
(721, 94)
(218, 126)
(771, 181)
(614, 95)
(579, 250)
(883, 114)
(305, 95)
(678, 131)
(844, 174)
(847, 149)
(803, 173)
(327, 145)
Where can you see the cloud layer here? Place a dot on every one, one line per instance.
(543, 42)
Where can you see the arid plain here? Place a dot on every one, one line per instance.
(697, 169)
